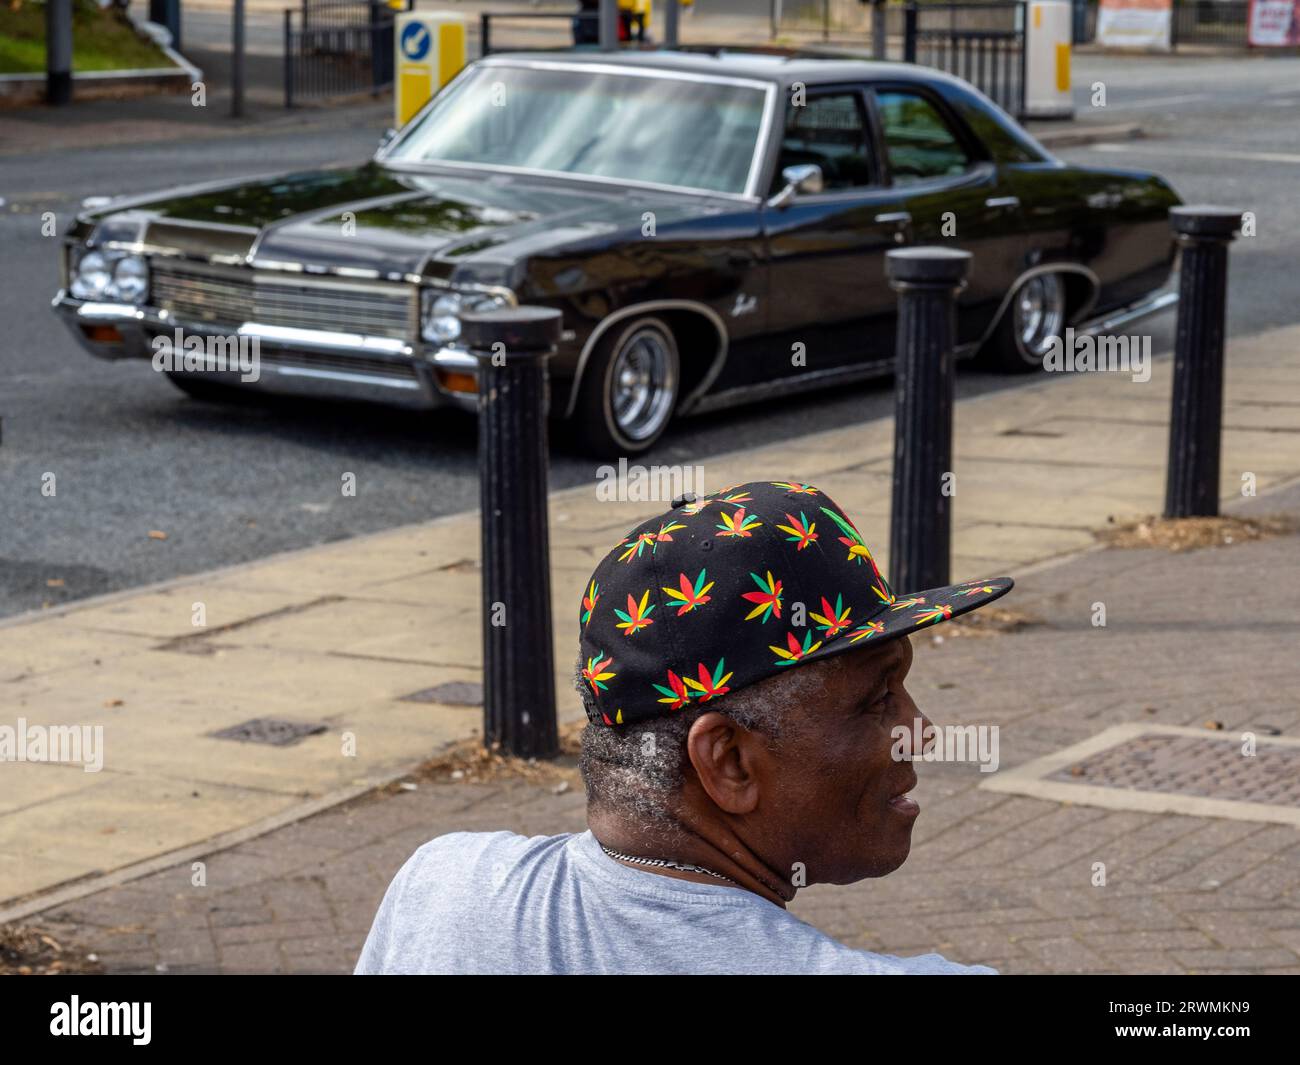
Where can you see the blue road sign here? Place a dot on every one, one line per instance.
(416, 40)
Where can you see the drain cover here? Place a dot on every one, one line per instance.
(273, 730)
(452, 693)
(1193, 765)
(1168, 769)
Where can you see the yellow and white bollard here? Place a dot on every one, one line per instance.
(430, 51)
(1047, 59)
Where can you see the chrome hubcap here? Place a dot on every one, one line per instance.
(642, 384)
(1040, 314)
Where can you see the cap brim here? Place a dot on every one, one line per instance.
(917, 611)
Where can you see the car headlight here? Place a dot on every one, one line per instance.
(441, 312)
(111, 275)
(92, 276)
(130, 279)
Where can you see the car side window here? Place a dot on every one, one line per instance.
(830, 130)
(919, 141)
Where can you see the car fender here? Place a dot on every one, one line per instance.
(1077, 314)
(648, 307)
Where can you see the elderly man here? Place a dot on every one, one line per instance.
(742, 663)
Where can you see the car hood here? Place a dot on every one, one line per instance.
(391, 223)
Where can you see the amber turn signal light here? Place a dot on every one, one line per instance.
(102, 334)
(457, 381)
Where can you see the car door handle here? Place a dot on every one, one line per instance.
(1002, 201)
(894, 218)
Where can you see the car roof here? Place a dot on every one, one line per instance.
(777, 68)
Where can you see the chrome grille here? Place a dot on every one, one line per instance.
(232, 295)
(202, 294)
(315, 360)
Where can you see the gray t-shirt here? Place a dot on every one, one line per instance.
(497, 902)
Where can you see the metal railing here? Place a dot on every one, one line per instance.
(562, 39)
(983, 43)
(1205, 22)
(581, 28)
(838, 18)
(337, 48)
(1222, 22)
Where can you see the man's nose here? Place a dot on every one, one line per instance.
(927, 730)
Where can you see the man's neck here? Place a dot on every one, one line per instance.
(707, 846)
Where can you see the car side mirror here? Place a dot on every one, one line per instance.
(806, 178)
(387, 138)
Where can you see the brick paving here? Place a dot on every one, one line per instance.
(1193, 765)
(1006, 880)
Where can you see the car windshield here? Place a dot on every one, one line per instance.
(664, 130)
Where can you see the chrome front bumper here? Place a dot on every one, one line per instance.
(304, 362)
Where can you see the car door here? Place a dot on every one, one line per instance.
(827, 287)
(949, 186)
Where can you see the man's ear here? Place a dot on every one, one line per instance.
(729, 760)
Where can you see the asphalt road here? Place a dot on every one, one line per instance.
(130, 455)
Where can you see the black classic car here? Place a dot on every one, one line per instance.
(713, 228)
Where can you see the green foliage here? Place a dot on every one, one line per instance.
(101, 39)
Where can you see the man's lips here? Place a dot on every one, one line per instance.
(903, 803)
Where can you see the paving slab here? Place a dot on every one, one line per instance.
(341, 633)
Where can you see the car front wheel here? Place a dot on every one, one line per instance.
(629, 390)
(1030, 325)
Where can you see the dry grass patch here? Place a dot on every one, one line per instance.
(27, 951)
(468, 762)
(1189, 534)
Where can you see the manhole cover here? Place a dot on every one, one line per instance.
(275, 731)
(1168, 769)
(452, 693)
(1194, 765)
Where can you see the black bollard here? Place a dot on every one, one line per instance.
(671, 19)
(879, 33)
(168, 13)
(608, 29)
(58, 51)
(920, 525)
(238, 24)
(1196, 419)
(512, 346)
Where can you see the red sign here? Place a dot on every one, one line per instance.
(1274, 23)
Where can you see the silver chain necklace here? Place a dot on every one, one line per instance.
(664, 862)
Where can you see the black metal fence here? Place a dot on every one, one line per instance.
(558, 26)
(1222, 22)
(830, 18)
(983, 43)
(1198, 22)
(337, 48)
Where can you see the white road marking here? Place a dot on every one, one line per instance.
(1201, 153)
(1158, 101)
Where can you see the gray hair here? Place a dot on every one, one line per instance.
(636, 770)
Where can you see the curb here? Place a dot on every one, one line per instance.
(308, 119)
(94, 884)
(59, 896)
(24, 90)
(1065, 137)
